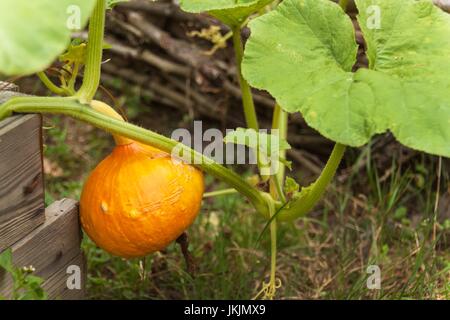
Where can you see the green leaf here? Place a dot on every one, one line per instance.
(6, 260)
(76, 53)
(110, 4)
(303, 53)
(230, 12)
(291, 186)
(34, 290)
(34, 33)
(267, 146)
(412, 50)
(287, 163)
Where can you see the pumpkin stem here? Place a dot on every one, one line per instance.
(109, 111)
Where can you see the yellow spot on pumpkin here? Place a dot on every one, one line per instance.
(104, 207)
(133, 213)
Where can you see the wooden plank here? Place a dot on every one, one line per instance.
(8, 91)
(21, 177)
(49, 247)
(56, 286)
(8, 86)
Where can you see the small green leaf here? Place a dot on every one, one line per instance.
(287, 163)
(400, 213)
(6, 260)
(31, 289)
(267, 147)
(74, 54)
(34, 33)
(291, 186)
(267, 144)
(110, 4)
(231, 12)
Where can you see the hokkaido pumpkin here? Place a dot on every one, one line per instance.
(138, 199)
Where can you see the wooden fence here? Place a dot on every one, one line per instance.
(48, 239)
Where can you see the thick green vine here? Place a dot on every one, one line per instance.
(71, 107)
(309, 196)
(76, 106)
(247, 97)
(91, 78)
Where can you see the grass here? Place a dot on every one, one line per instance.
(377, 214)
(326, 257)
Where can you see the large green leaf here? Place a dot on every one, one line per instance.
(34, 33)
(303, 52)
(230, 12)
(412, 50)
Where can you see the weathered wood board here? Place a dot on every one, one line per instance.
(56, 286)
(50, 249)
(48, 240)
(21, 178)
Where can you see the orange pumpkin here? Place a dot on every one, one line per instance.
(138, 200)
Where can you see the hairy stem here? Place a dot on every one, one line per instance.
(280, 122)
(273, 258)
(91, 78)
(50, 85)
(71, 107)
(219, 193)
(73, 78)
(247, 97)
(268, 290)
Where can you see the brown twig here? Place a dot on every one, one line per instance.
(148, 57)
(183, 241)
(168, 10)
(178, 49)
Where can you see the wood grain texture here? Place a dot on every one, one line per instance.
(50, 247)
(21, 178)
(8, 90)
(8, 86)
(56, 286)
